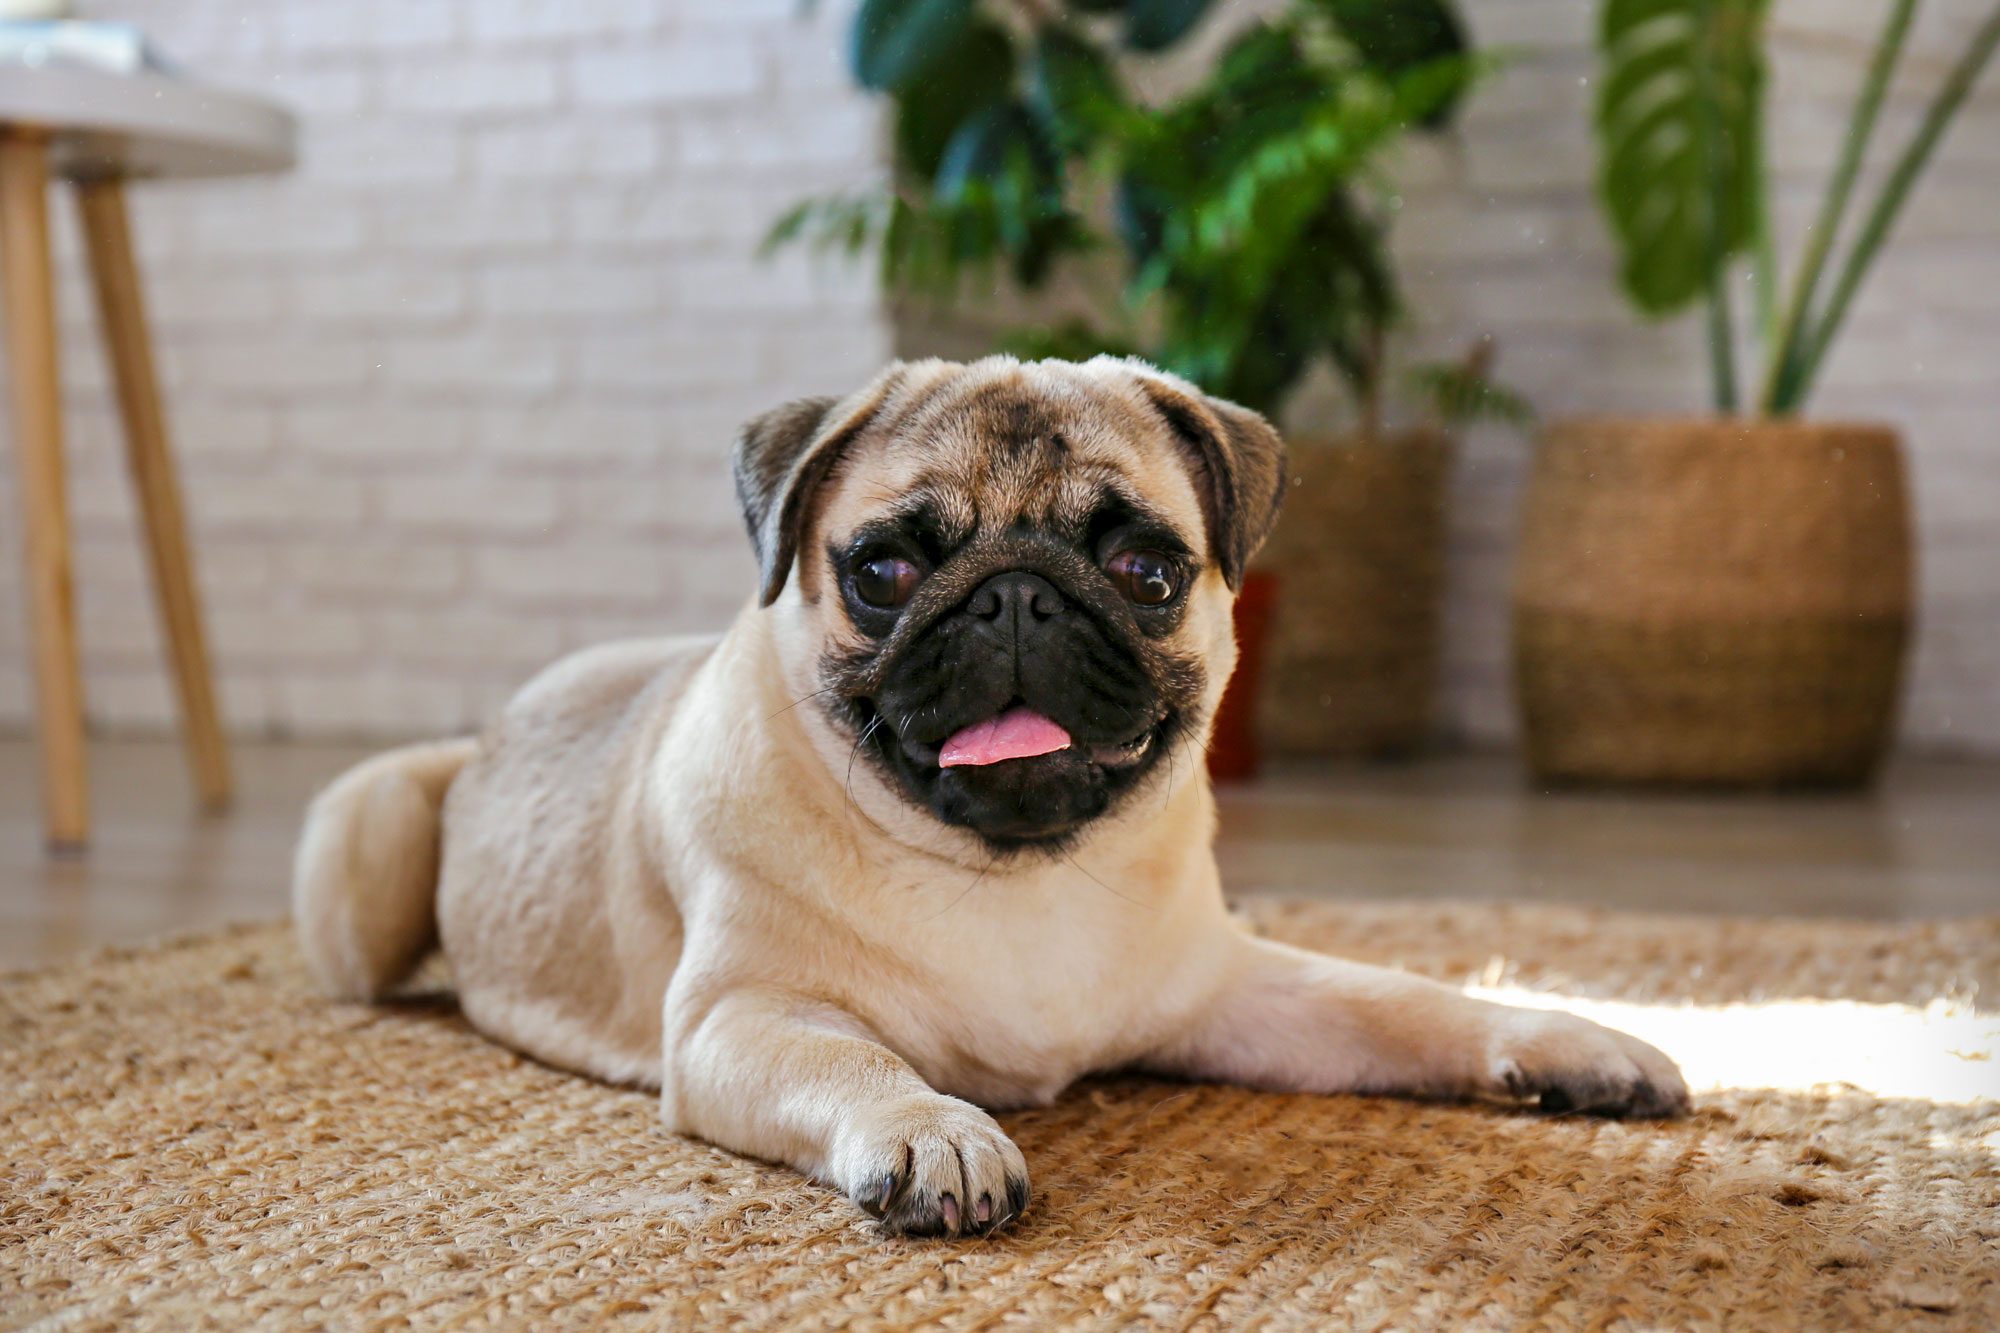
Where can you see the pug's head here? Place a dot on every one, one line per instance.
(1010, 583)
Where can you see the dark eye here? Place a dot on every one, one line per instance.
(885, 580)
(1145, 577)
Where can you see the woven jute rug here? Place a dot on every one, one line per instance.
(191, 1138)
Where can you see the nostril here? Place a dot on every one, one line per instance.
(1016, 596)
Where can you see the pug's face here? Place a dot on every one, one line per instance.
(1016, 578)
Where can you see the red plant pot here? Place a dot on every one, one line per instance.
(1232, 747)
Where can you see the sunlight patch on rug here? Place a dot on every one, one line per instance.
(1945, 1051)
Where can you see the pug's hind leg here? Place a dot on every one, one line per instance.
(1303, 1022)
(791, 1079)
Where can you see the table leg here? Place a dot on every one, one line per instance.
(28, 288)
(121, 310)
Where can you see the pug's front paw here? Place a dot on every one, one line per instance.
(1565, 1063)
(932, 1165)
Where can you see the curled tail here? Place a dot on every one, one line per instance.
(365, 877)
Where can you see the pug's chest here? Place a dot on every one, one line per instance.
(1001, 1057)
(1024, 1009)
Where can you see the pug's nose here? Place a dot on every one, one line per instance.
(1016, 599)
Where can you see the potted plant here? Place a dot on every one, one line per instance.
(1723, 599)
(1248, 222)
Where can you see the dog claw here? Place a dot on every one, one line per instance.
(935, 1166)
(885, 1194)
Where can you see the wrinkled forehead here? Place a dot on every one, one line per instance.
(986, 454)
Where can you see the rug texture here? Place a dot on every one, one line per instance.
(189, 1137)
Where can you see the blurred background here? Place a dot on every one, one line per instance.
(454, 394)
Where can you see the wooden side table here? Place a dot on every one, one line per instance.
(99, 130)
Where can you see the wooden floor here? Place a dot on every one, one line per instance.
(1927, 844)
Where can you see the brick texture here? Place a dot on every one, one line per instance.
(455, 395)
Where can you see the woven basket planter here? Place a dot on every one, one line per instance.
(1712, 602)
(1351, 668)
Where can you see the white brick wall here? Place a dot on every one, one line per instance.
(455, 396)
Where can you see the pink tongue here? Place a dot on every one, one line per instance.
(1018, 733)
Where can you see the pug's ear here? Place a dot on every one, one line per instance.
(780, 460)
(1237, 459)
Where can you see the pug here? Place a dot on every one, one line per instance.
(926, 832)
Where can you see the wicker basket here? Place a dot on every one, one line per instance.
(1351, 670)
(1712, 602)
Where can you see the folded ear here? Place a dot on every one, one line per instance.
(1238, 462)
(780, 460)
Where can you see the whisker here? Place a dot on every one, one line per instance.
(796, 702)
(1071, 858)
(848, 784)
(990, 863)
(860, 741)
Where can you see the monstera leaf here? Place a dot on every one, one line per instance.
(1678, 119)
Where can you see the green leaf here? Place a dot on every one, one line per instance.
(1001, 185)
(846, 224)
(1243, 211)
(895, 41)
(997, 149)
(1070, 340)
(1074, 90)
(1394, 36)
(1262, 58)
(1459, 396)
(1139, 210)
(1155, 25)
(1678, 120)
(975, 74)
